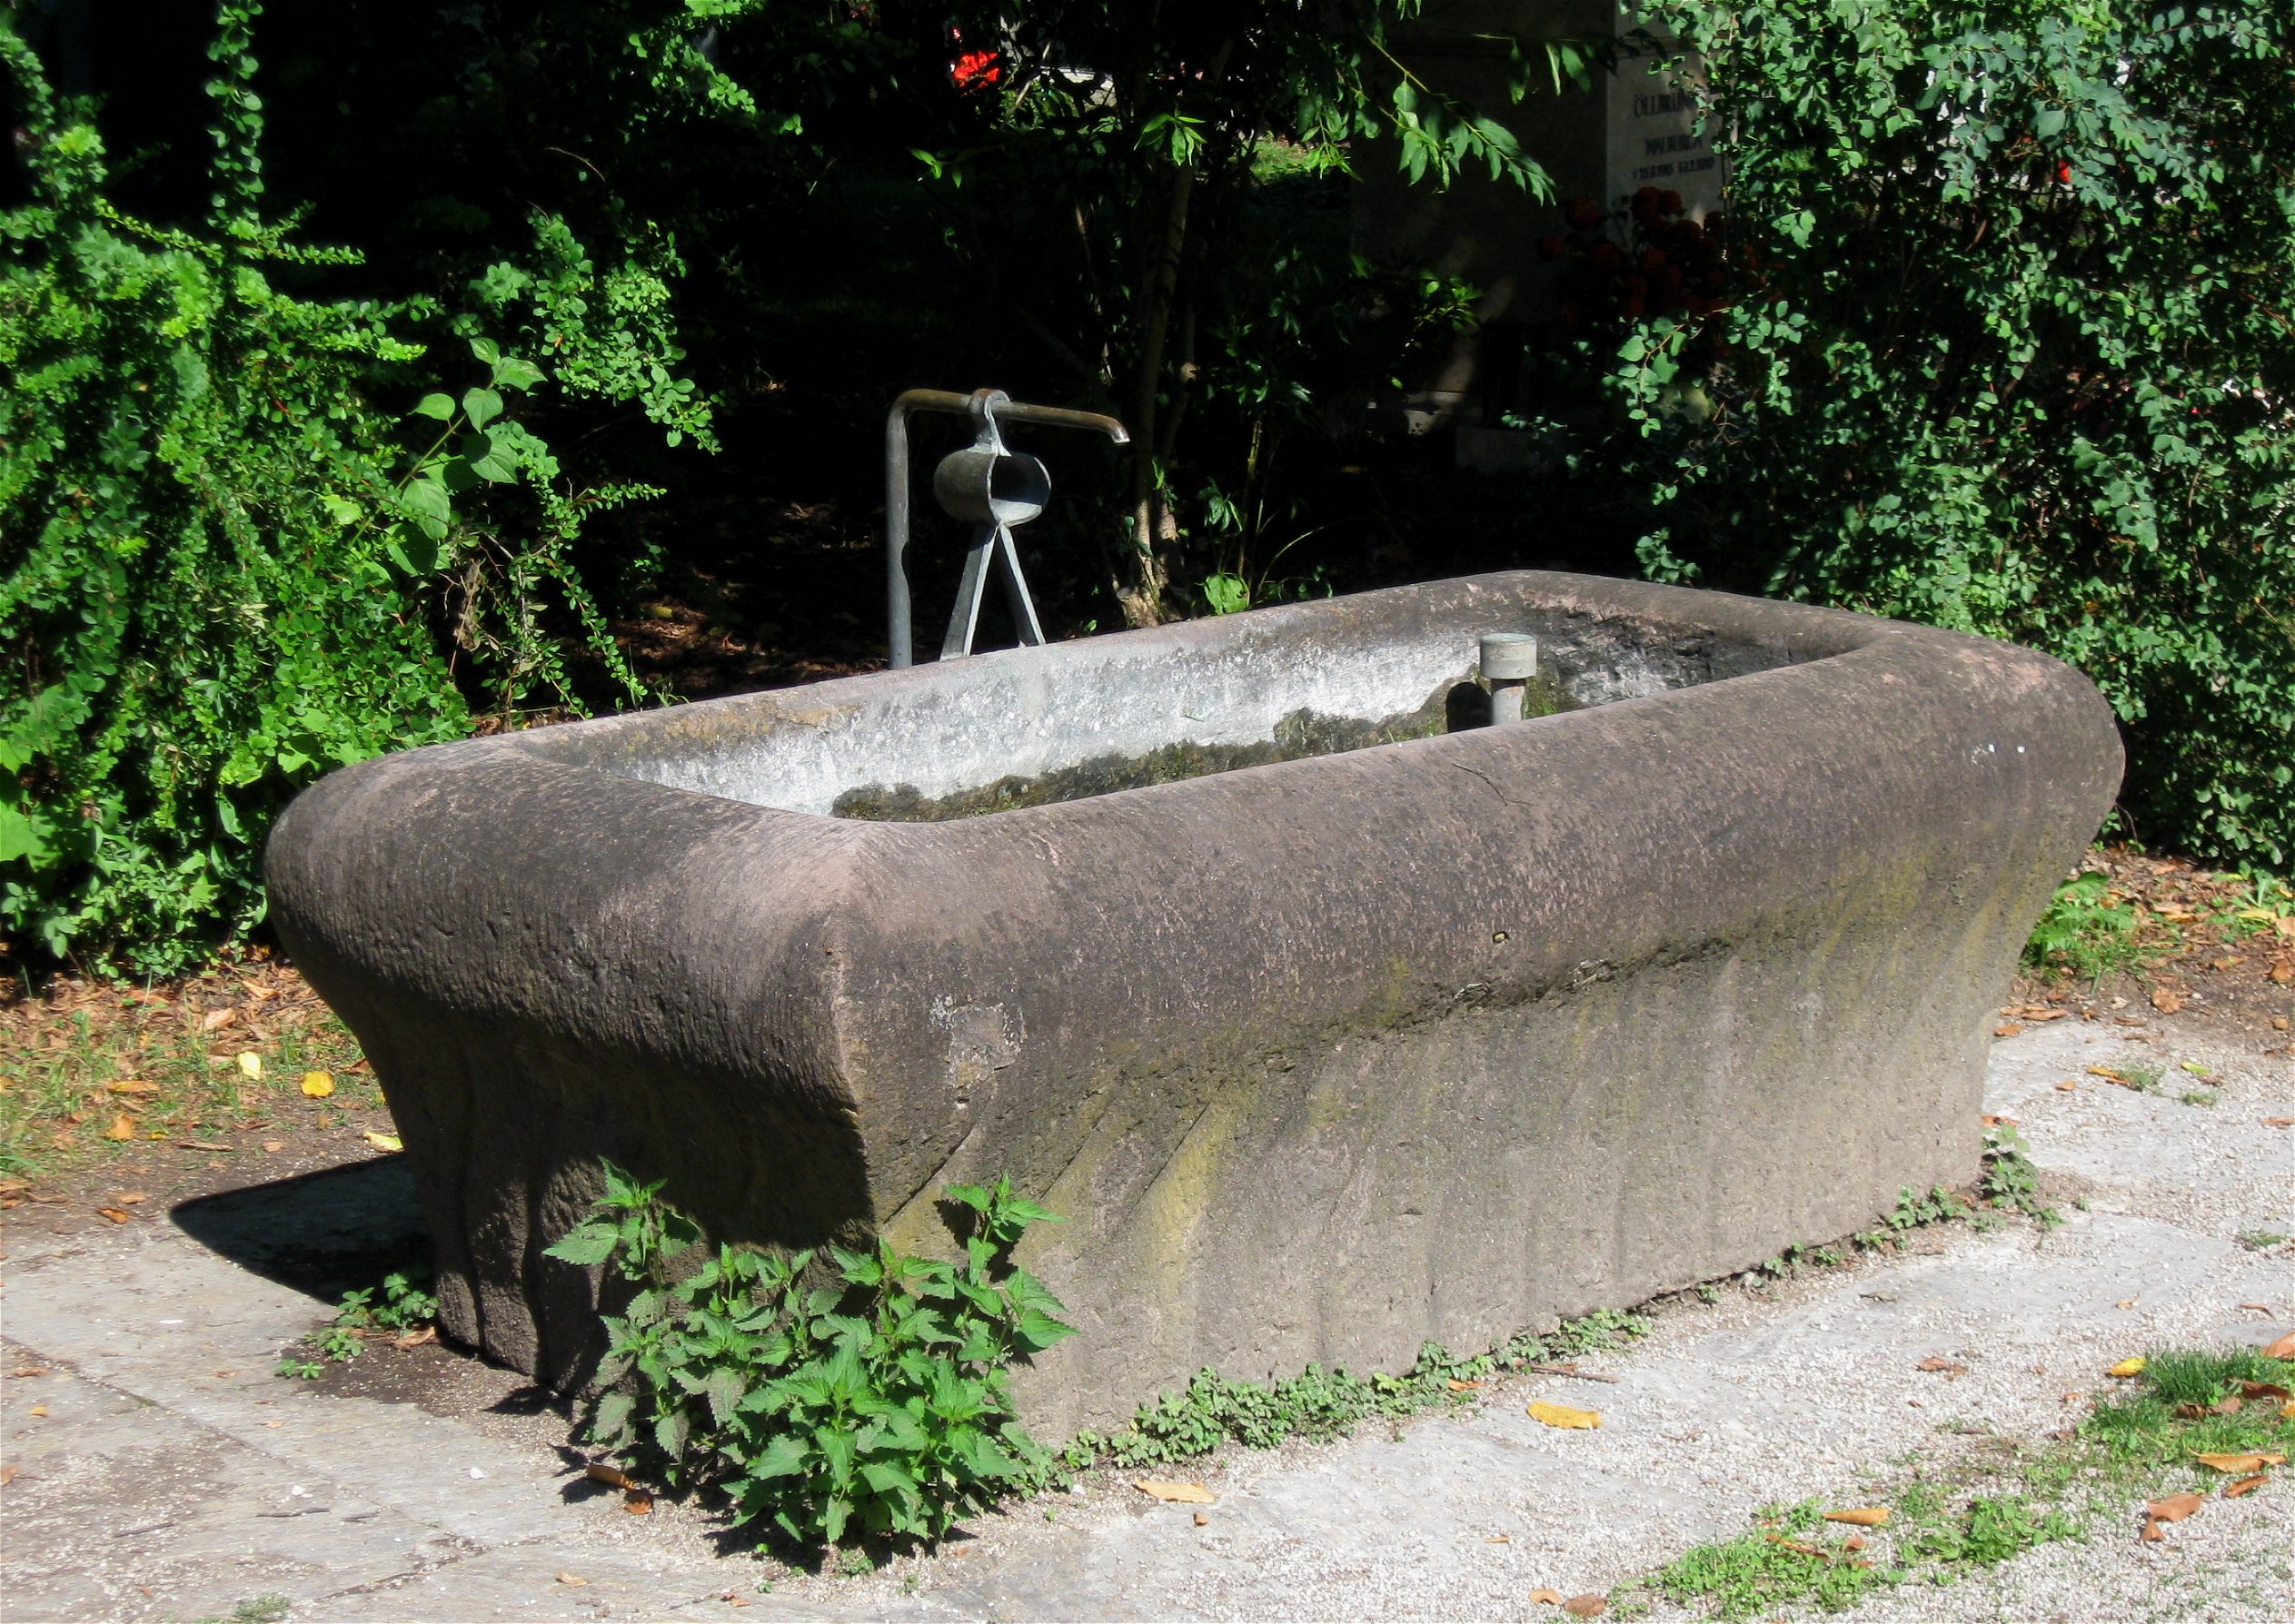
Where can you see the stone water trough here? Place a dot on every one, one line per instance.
(1332, 1023)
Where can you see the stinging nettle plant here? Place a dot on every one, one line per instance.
(865, 1397)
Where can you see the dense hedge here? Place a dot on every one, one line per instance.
(2011, 349)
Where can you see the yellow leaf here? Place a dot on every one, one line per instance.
(2127, 1367)
(1862, 1515)
(250, 1064)
(122, 1127)
(385, 1142)
(1191, 1494)
(1563, 1415)
(317, 1084)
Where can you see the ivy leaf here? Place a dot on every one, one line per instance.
(441, 406)
(510, 373)
(483, 405)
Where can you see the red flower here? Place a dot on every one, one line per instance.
(976, 70)
(1583, 214)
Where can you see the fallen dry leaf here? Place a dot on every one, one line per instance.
(1546, 1598)
(385, 1142)
(2241, 1464)
(1953, 1369)
(201, 1144)
(317, 1084)
(416, 1339)
(1862, 1515)
(2246, 1485)
(274, 1145)
(2001, 1122)
(637, 1503)
(30, 1369)
(1563, 1415)
(1799, 1545)
(2283, 1349)
(8, 1474)
(2131, 1366)
(130, 1085)
(2127, 1301)
(2010, 1030)
(2282, 971)
(114, 1213)
(571, 1578)
(2151, 1530)
(1202, 1520)
(2264, 1390)
(2280, 1121)
(2066, 1086)
(250, 1062)
(1186, 1494)
(1458, 1386)
(1588, 1605)
(2175, 1508)
(2166, 1000)
(128, 1198)
(612, 1476)
(122, 1127)
(215, 1020)
(1853, 1542)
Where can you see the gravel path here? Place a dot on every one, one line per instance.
(172, 1476)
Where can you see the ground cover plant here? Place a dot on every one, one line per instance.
(2190, 1427)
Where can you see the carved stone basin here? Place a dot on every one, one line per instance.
(1330, 1029)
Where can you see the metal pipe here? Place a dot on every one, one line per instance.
(1509, 659)
(899, 644)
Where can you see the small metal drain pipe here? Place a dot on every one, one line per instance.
(1509, 659)
(991, 406)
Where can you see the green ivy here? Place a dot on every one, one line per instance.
(874, 1402)
(2012, 350)
(224, 569)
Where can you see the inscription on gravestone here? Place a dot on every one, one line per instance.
(1653, 139)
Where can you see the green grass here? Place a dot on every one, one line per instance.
(72, 1067)
(1996, 1503)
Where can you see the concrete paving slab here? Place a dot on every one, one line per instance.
(172, 1476)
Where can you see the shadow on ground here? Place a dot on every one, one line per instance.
(323, 1233)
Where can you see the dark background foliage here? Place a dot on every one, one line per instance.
(582, 404)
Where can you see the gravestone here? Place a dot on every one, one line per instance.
(1603, 139)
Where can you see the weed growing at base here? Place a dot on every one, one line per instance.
(873, 1404)
(2134, 1446)
(1318, 1403)
(406, 1305)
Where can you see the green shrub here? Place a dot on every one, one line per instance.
(876, 1405)
(223, 570)
(2010, 351)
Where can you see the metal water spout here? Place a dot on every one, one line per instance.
(987, 484)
